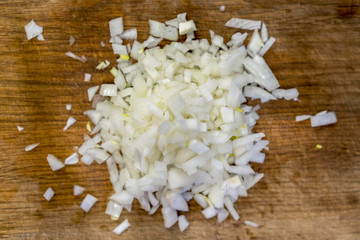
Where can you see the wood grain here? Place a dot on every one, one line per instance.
(306, 193)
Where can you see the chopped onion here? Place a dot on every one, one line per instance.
(72, 159)
(72, 55)
(33, 30)
(113, 209)
(71, 40)
(323, 119)
(158, 29)
(92, 91)
(130, 34)
(116, 26)
(222, 8)
(109, 90)
(267, 46)
(78, 190)
(122, 227)
(69, 123)
(185, 27)
(49, 194)
(88, 202)
(251, 224)
(68, 107)
(31, 147)
(183, 223)
(243, 24)
(20, 128)
(209, 212)
(87, 77)
(40, 37)
(54, 162)
(102, 43)
(302, 117)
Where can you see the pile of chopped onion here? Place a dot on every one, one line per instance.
(174, 125)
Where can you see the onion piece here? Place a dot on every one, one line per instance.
(31, 147)
(222, 8)
(20, 128)
(116, 26)
(185, 27)
(72, 159)
(72, 55)
(158, 29)
(113, 209)
(78, 190)
(130, 34)
(243, 24)
(324, 119)
(87, 77)
(69, 123)
(302, 117)
(54, 162)
(92, 91)
(40, 37)
(183, 223)
(33, 30)
(71, 40)
(122, 227)
(251, 224)
(88, 202)
(49, 193)
(268, 44)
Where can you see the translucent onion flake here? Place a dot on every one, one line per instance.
(69, 123)
(78, 190)
(122, 227)
(54, 162)
(49, 194)
(31, 147)
(88, 202)
(33, 30)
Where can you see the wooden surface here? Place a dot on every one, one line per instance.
(307, 193)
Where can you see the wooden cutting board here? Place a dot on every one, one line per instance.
(307, 193)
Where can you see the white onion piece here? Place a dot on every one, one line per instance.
(113, 209)
(183, 223)
(158, 29)
(33, 30)
(40, 37)
(323, 119)
(78, 190)
(321, 113)
(170, 216)
(54, 162)
(243, 24)
(300, 118)
(251, 224)
(69, 123)
(31, 147)
(20, 128)
(49, 194)
(268, 44)
(72, 55)
(122, 227)
(102, 43)
(108, 90)
(230, 207)
(173, 22)
(116, 26)
(87, 77)
(88, 202)
(258, 93)
(68, 107)
(222, 215)
(72, 159)
(222, 8)
(255, 43)
(71, 40)
(92, 91)
(130, 34)
(209, 212)
(185, 27)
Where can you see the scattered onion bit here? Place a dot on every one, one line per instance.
(319, 146)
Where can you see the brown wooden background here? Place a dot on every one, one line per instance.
(307, 193)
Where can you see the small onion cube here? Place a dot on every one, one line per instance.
(87, 77)
(20, 128)
(78, 190)
(324, 119)
(116, 26)
(72, 159)
(68, 107)
(108, 90)
(49, 194)
(183, 223)
(91, 92)
(122, 227)
(88, 202)
(300, 118)
(243, 24)
(54, 162)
